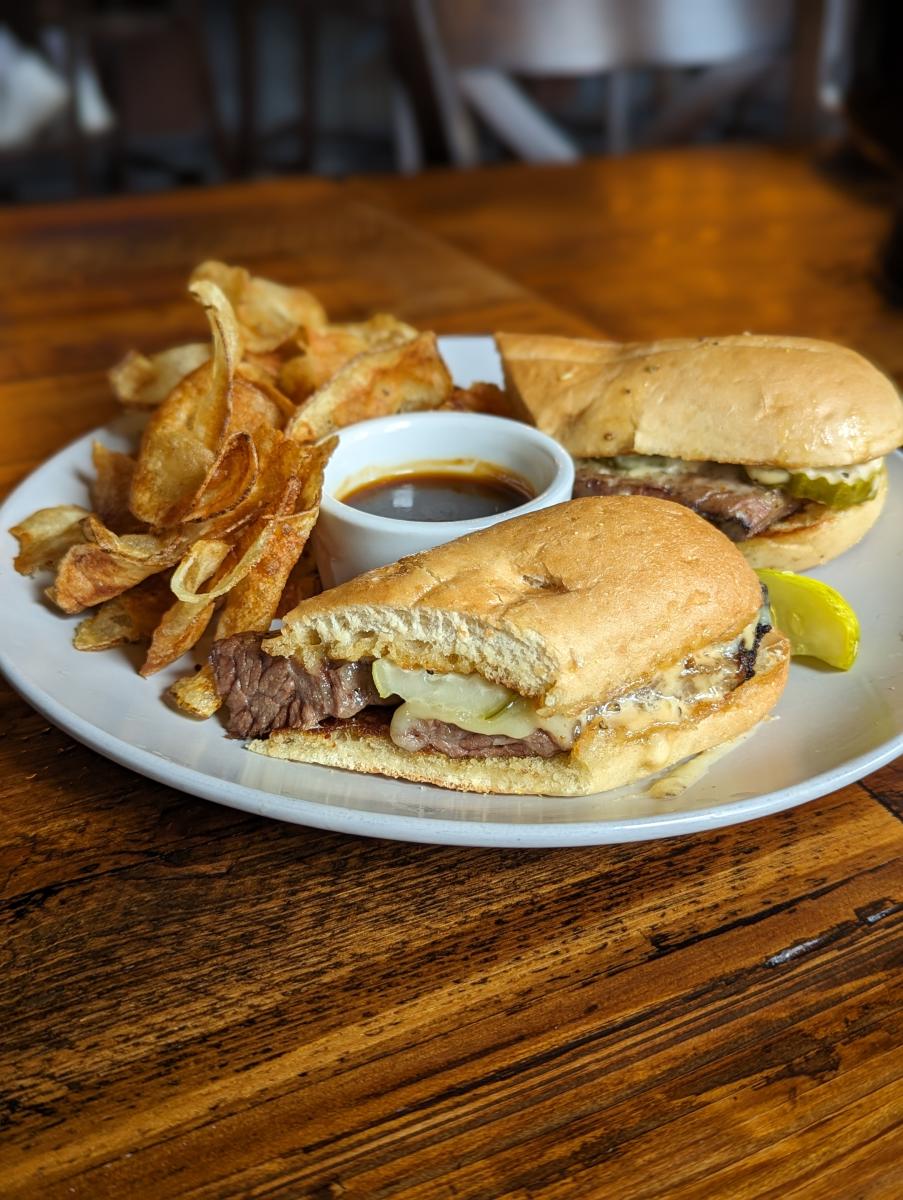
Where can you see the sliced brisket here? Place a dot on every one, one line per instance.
(739, 509)
(424, 734)
(263, 692)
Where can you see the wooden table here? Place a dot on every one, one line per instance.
(679, 243)
(200, 1003)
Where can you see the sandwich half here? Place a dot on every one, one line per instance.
(564, 652)
(778, 441)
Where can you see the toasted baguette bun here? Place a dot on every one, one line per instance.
(748, 399)
(600, 760)
(569, 605)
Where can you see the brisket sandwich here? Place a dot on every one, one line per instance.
(778, 441)
(563, 652)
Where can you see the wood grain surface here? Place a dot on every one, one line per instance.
(200, 1003)
(680, 243)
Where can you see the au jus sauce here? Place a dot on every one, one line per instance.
(441, 493)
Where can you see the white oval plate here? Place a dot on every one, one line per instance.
(832, 727)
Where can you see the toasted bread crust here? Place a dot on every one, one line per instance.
(749, 399)
(570, 605)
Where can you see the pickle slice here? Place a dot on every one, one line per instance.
(650, 462)
(814, 616)
(840, 494)
(446, 692)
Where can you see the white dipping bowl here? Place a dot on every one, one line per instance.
(348, 542)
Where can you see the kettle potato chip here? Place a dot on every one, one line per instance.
(196, 695)
(111, 487)
(215, 508)
(267, 312)
(326, 350)
(377, 383)
(46, 536)
(130, 617)
(141, 382)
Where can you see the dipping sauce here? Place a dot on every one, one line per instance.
(451, 491)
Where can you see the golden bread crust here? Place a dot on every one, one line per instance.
(747, 398)
(571, 604)
(600, 762)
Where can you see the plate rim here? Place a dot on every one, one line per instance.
(461, 832)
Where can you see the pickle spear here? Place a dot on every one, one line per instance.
(814, 616)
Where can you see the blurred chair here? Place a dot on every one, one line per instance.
(711, 52)
(152, 61)
(251, 138)
(322, 44)
(154, 65)
(65, 134)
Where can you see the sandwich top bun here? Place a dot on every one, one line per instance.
(570, 605)
(747, 399)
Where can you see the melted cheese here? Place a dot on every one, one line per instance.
(667, 699)
(776, 476)
(701, 678)
(641, 466)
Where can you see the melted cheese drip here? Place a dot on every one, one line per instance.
(655, 470)
(776, 476)
(691, 770)
(704, 677)
(639, 466)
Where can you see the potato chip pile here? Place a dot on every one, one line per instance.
(213, 512)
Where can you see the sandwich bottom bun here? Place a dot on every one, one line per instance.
(600, 760)
(801, 542)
